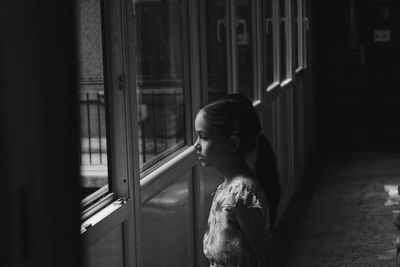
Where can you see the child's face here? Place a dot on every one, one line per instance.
(211, 147)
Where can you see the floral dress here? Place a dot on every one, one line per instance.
(225, 243)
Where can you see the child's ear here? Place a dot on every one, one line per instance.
(233, 143)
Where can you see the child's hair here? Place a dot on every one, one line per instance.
(235, 115)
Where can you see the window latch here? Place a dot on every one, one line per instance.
(120, 201)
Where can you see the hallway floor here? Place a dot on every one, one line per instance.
(350, 218)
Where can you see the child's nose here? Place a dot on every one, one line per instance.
(197, 145)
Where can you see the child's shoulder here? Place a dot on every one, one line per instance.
(247, 182)
(246, 190)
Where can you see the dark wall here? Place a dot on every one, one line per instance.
(39, 172)
(357, 75)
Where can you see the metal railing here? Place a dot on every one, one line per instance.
(161, 124)
(93, 128)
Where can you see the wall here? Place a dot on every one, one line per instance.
(38, 136)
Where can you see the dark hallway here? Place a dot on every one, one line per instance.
(357, 66)
(347, 210)
(350, 217)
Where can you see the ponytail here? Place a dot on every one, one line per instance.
(266, 171)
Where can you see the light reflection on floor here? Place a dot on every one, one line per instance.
(393, 195)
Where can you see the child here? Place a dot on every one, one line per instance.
(245, 204)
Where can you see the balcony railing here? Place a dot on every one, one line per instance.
(161, 124)
(160, 129)
(93, 156)
(93, 129)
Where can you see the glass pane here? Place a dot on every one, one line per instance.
(92, 100)
(245, 52)
(167, 237)
(304, 37)
(282, 39)
(159, 79)
(108, 251)
(216, 49)
(296, 36)
(269, 42)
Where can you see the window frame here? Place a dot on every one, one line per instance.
(116, 187)
(164, 172)
(117, 207)
(256, 47)
(302, 35)
(305, 30)
(274, 33)
(170, 153)
(232, 48)
(287, 20)
(297, 36)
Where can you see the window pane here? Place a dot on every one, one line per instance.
(159, 78)
(304, 32)
(245, 51)
(108, 251)
(269, 42)
(216, 49)
(296, 35)
(283, 39)
(92, 100)
(167, 237)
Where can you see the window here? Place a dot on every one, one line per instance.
(304, 30)
(300, 29)
(284, 40)
(245, 46)
(216, 27)
(160, 80)
(296, 34)
(92, 102)
(232, 58)
(270, 56)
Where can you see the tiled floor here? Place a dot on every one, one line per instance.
(349, 221)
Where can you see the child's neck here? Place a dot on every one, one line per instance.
(235, 168)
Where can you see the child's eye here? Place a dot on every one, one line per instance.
(203, 137)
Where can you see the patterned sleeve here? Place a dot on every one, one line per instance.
(249, 196)
(251, 211)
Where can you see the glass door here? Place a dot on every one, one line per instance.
(244, 48)
(231, 48)
(216, 28)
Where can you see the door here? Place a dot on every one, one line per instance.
(359, 65)
(231, 48)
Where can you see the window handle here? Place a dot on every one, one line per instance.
(243, 38)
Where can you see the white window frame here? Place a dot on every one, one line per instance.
(305, 30)
(299, 36)
(114, 69)
(117, 207)
(274, 34)
(288, 44)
